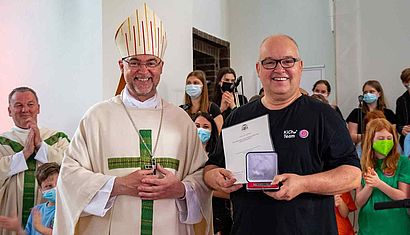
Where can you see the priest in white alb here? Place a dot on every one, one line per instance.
(22, 149)
(135, 163)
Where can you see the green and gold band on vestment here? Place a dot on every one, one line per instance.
(29, 187)
(29, 179)
(141, 162)
(147, 206)
(15, 146)
(29, 174)
(55, 138)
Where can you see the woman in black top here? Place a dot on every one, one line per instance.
(403, 107)
(225, 93)
(373, 99)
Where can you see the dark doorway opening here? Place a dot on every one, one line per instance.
(210, 54)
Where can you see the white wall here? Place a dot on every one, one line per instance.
(211, 17)
(65, 49)
(55, 48)
(308, 22)
(372, 43)
(69, 55)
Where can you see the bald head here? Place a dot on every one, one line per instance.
(279, 38)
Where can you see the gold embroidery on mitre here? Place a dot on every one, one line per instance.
(141, 33)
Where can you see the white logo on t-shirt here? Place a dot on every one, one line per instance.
(289, 134)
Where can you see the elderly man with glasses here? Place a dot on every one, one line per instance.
(135, 163)
(316, 157)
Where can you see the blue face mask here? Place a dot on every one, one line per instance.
(194, 91)
(50, 195)
(204, 135)
(369, 98)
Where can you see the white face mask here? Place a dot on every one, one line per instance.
(194, 91)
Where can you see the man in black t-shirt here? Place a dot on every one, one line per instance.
(316, 157)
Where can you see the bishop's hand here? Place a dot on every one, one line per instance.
(160, 187)
(128, 185)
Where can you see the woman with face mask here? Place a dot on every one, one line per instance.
(322, 87)
(403, 107)
(373, 99)
(224, 91)
(221, 206)
(386, 177)
(196, 98)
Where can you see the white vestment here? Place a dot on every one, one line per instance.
(13, 186)
(105, 145)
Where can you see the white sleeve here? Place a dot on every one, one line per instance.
(41, 154)
(189, 206)
(18, 161)
(102, 201)
(18, 164)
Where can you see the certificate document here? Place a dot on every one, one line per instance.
(249, 136)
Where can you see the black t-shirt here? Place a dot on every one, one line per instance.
(309, 137)
(403, 114)
(213, 109)
(336, 108)
(355, 117)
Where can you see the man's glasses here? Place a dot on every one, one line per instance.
(135, 63)
(269, 63)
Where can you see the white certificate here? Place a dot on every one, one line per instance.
(249, 136)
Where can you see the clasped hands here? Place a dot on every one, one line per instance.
(371, 178)
(227, 101)
(147, 186)
(33, 141)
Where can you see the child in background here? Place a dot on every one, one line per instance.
(386, 177)
(41, 219)
(343, 205)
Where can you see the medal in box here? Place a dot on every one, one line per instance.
(261, 168)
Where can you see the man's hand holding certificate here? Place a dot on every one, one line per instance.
(246, 137)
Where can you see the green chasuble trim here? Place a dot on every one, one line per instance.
(29, 177)
(29, 174)
(141, 162)
(54, 138)
(147, 206)
(29, 187)
(17, 147)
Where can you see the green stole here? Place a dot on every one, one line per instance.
(144, 160)
(29, 174)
